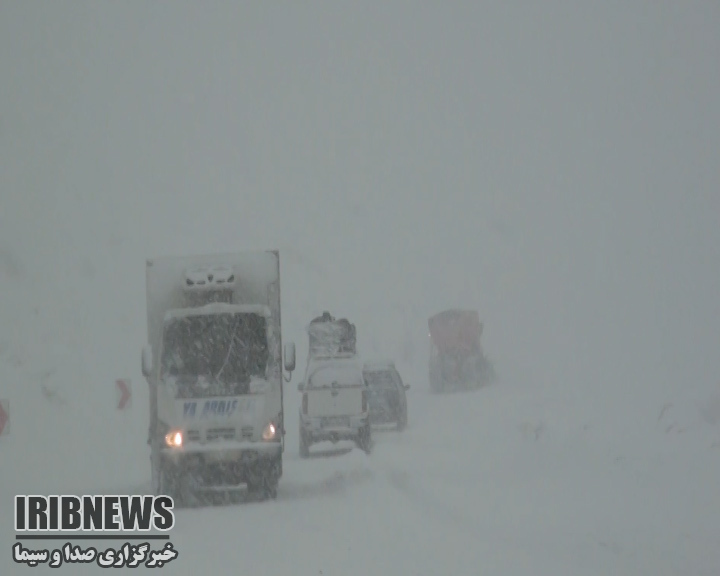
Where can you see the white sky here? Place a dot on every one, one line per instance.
(554, 165)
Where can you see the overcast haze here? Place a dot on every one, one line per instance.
(554, 165)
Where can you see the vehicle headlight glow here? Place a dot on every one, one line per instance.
(269, 432)
(174, 439)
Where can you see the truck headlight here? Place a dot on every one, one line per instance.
(269, 432)
(174, 439)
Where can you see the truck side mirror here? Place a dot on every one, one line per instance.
(290, 356)
(147, 361)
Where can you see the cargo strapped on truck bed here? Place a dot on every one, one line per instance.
(456, 330)
(331, 338)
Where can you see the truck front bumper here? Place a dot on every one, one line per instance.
(319, 429)
(227, 466)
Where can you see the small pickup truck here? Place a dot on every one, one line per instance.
(334, 404)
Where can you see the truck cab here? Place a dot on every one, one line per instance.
(215, 377)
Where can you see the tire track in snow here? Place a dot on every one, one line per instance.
(337, 483)
(428, 502)
(442, 539)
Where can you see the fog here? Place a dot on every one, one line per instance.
(553, 166)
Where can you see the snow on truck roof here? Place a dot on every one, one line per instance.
(218, 308)
(209, 277)
(455, 313)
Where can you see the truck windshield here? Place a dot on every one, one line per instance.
(216, 354)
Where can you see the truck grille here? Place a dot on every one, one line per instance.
(220, 434)
(212, 434)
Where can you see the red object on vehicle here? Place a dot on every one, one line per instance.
(456, 332)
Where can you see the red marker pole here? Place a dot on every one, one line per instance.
(124, 394)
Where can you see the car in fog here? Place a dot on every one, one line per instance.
(387, 399)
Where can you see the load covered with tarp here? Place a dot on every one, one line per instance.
(456, 358)
(330, 338)
(456, 332)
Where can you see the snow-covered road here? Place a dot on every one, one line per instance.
(499, 481)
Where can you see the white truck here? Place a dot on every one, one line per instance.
(334, 402)
(213, 364)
